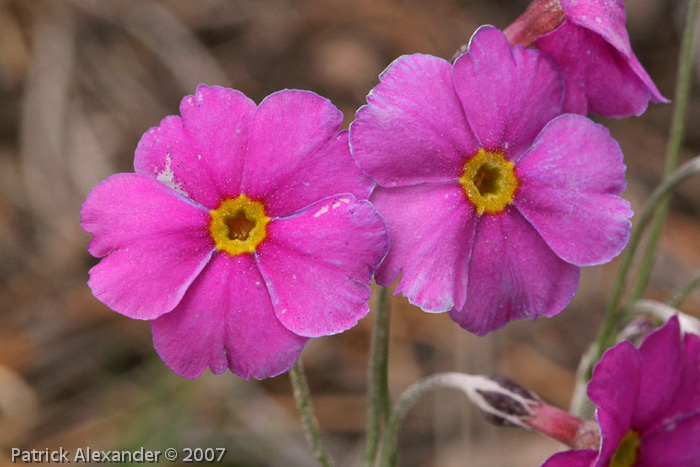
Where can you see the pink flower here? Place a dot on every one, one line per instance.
(243, 232)
(492, 203)
(588, 40)
(648, 404)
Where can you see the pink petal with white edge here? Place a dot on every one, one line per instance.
(598, 78)
(298, 155)
(570, 182)
(612, 431)
(431, 229)
(153, 241)
(572, 458)
(508, 94)
(318, 263)
(513, 274)
(413, 128)
(201, 154)
(615, 383)
(226, 320)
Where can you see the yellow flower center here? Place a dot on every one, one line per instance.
(489, 181)
(626, 452)
(238, 225)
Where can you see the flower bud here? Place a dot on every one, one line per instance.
(541, 17)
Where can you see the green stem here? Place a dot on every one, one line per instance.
(306, 411)
(683, 293)
(673, 150)
(379, 399)
(468, 384)
(407, 399)
(606, 338)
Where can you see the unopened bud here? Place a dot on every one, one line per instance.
(511, 400)
(506, 403)
(564, 427)
(540, 18)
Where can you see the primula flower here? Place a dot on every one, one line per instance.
(648, 404)
(492, 203)
(588, 40)
(244, 231)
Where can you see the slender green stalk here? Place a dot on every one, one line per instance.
(606, 338)
(473, 386)
(683, 293)
(306, 410)
(379, 399)
(407, 399)
(673, 150)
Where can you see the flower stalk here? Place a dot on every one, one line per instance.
(680, 296)
(379, 398)
(302, 396)
(683, 85)
(608, 332)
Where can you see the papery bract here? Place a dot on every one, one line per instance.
(588, 41)
(244, 231)
(492, 199)
(648, 404)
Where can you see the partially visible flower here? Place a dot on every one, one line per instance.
(648, 404)
(493, 201)
(588, 40)
(243, 232)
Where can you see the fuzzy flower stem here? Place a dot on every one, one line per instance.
(606, 337)
(683, 293)
(407, 399)
(309, 423)
(673, 150)
(379, 399)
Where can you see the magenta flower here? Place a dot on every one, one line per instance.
(492, 203)
(588, 40)
(648, 404)
(243, 232)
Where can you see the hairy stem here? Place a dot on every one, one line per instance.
(606, 337)
(683, 293)
(379, 399)
(673, 150)
(306, 411)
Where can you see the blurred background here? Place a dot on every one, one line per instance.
(82, 80)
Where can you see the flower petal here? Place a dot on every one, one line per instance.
(607, 18)
(572, 458)
(202, 153)
(597, 76)
(673, 442)
(687, 397)
(570, 182)
(413, 128)
(318, 263)
(612, 431)
(508, 94)
(513, 274)
(297, 154)
(153, 243)
(431, 229)
(662, 357)
(225, 320)
(615, 383)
